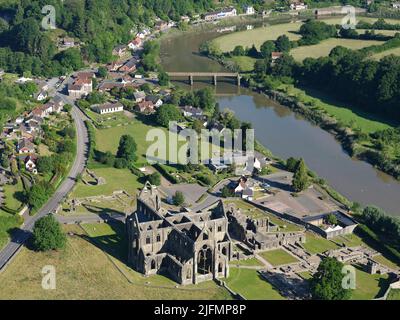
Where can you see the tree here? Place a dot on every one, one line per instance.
(253, 52)
(226, 192)
(282, 43)
(239, 51)
(178, 199)
(267, 48)
(102, 72)
(38, 195)
(127, 148)
(332, 219)
(163, 78)
(291, 164)
(326, 283)
(300, 177)
(154, 179)
(47, 234)
(167, 113)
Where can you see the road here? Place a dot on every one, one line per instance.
(23, 234)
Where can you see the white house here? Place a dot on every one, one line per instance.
(108, 108)
(298, 6)
(396, 5)
(30, 164)
(250, 10)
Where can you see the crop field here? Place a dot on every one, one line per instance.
(324, 48)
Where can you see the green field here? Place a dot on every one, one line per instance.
(112, 120)
(278, 257)
(252, 262)
(378, 56)
(394, 294)
(246, 64)
(316, 244)
(13, 195)
(116, 179)
(349, 116)
(251, 285)
(323, 48)
(369, 286)
(84, 271)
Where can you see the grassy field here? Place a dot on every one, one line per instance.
(350, 116)
(323, 48)
(379, 56)
(369, 286)
(394, 294)
(316, 244)
(258, 36)
(250, 284)
(84, 271)
(386, 262)
(112, 120)
(116, 179)
(252, 262)
(246, 64)
(278, 257)
(12, 195)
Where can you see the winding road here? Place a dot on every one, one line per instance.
(23, 234)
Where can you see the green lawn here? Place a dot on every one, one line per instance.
(369, 286)
(116, 179)
(12, 195)
(350, 116)
(386, 262)
(394, 294)
(112, 120)
(251, 285)
(380, 55)
(88, 269)
(246, 64)
(278, 257)
(316, 244)
(323, 48)
(252, 262)
(350, 240)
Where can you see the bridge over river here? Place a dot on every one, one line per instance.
(213, 75)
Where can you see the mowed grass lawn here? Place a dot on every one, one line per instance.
(115, 179)
(394, 294)
(251, 285)
(278, 257)
(252, 262)
(13, 195)
(84, 271)
(323, 48)
(316, 244)
(369, 286)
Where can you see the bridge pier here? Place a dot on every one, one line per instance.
(238, 80)
(215, 80)
(191, 79)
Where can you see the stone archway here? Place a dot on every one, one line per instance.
(153, 264)
(205, 260)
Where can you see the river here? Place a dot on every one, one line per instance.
(284, 132)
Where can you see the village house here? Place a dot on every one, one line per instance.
(396, 5)
(108, 108)
(249, 10)
(185, 19)
(30, 164)
(298, 6)
(82, 86)
(25, 146)
(139, 96)
(221, 14)
(190, 111)
(276, 55)
(157, 102)
(114, 66)
(67, 42)
(129, 66)
(146, 107)
(119, 50)
(161, 25)
(135, 44)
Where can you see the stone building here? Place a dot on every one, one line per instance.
(189, 247)
(259, 233)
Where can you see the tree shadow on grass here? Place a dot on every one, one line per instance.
(116, 245)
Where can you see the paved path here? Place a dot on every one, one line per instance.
(20, 236)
